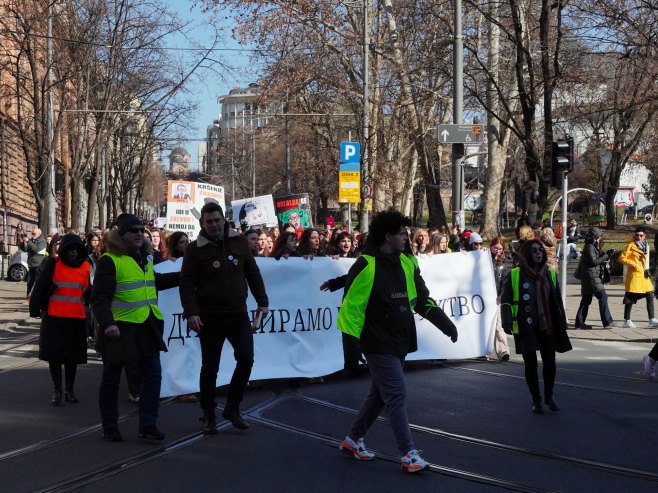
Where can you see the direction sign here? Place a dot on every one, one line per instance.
(459, 133)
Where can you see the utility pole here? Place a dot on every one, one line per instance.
(288, 167)
(458, 118)
(49, 202)
(363, 223)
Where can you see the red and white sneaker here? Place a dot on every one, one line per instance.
(412, 462)
(355, 449)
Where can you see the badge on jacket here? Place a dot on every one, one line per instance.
(215, 264)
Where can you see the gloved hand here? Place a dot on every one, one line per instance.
(646, 273)
(508, 330)
(441, 321)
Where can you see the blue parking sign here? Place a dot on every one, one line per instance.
(350, 156)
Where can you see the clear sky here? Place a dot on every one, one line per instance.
(208, 85)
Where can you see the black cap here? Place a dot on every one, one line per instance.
(125, 221)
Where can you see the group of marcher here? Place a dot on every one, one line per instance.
(108, 282)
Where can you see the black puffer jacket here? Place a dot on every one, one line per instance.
(592, 262)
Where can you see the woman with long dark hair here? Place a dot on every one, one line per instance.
(533, 312)
(309, 244)
(285, 246)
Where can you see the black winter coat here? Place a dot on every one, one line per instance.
(526, 339)
(61, 339)
(592, 265)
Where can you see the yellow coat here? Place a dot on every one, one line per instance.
(636, 262)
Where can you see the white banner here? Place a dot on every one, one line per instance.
(184, 202)
(299, 337)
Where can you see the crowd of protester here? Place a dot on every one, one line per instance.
(525, 273)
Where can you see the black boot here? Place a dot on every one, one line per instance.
(232, 413)
(56, 399)
(70, 370)
(56, 375)
(552, 405)
(69, 396)
(209, 426)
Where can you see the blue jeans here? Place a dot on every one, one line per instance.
(237, 330)
(149, 391)
(388, 390)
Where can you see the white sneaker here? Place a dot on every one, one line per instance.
(355, 449)
(628, 324)
(653, 322)
(412, 462)
(649, 366)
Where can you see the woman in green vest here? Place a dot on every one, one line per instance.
(532, 310)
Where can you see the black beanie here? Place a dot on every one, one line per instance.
(125, 221)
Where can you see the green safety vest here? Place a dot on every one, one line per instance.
(135, 295)
(352, 313)
(515, 295)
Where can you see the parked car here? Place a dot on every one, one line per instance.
(17, 269)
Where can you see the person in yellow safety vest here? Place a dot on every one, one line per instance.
(532, 310)
(384, 289)
(124, 301)
(60, 294)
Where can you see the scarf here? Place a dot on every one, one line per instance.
(540, 278)
(642, 245)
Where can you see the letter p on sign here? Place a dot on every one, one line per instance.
(350, 152)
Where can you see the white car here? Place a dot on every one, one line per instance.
(17, 269)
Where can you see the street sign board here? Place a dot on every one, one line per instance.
(459, 133)
(350, 156)
(349, 187)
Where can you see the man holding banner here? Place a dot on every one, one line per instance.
(217, 268)
(384, 288)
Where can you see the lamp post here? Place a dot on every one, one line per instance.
(50, 202)
(458, 118)
(363, 223)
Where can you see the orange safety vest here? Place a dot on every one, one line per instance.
(70, 285)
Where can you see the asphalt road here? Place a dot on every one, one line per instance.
(471, 418)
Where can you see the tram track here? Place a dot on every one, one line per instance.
(574, 461)
(136, 460)
(31, 340)
(557, 383)
(69, 437)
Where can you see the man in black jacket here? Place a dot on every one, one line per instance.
(217, 268)
(384, 288)
(124, 302)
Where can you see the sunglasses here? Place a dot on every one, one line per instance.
(135, 230)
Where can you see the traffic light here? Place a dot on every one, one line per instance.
(562, 160)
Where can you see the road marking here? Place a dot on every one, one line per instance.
(606, 358)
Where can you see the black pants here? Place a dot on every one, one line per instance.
(547, 351)
(56, 374)
(237, 330)
(629, 301)
(586, 300)
(31, 278)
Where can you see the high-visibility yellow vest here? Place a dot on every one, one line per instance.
(352, 313)
(67, 299)
(515, 295)
(135, 295)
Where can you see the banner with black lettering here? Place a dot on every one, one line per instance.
(299, 337)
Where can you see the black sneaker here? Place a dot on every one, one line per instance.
(209, 426)
(150, 432)
(112, 434)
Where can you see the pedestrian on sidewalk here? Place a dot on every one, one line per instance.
(217, 269)
(591, 280)
(60, 293)
(384, 289)
(124, 301)
(638, 280)
(532, 311)
(36, 252)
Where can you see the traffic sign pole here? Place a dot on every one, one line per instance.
(458, 112)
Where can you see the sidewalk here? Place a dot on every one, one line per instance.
(14, 313)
